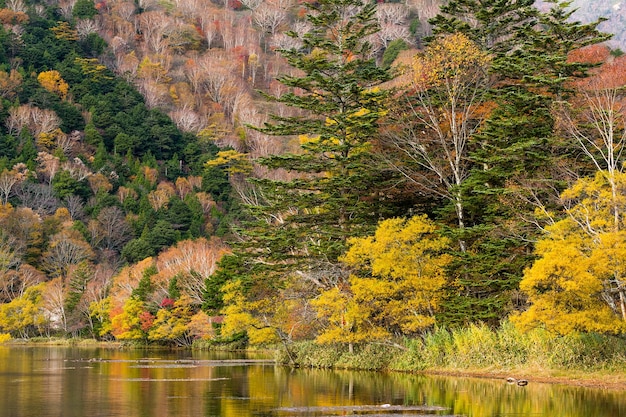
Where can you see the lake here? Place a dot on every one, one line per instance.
(91, 382)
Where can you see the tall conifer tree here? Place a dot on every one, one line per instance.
(334, 194)
(300, 226)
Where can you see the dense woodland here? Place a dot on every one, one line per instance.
(274, 171)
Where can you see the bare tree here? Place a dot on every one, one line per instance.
(269, 18)
(65, 248)
(392, 14)
(47, 166)
(77, 169)
(75, 206)
(113, 228)
(17, 6)
(54, 303)
(186, 119)
(443, 101)
(36, 120)
(8, 180)
(153, 25)
(86, 27)
(124, 9)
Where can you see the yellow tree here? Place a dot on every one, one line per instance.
(24, 313)
(53, 82)
(172, 324)
(396, 288)
(64, 31)
(578, 282)
(256, 317)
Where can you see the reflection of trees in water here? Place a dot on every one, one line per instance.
(477, 397)
(183, 383)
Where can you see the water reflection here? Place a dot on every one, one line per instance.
(95, 382)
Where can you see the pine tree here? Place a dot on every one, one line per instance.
(299, 226)
(492, 24)
(335, 193)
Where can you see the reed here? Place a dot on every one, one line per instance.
(473, 348)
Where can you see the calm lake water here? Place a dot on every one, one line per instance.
(66, 382)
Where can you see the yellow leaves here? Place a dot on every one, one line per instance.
(452, 56)
(577, 282)
(53, 82)
(234, 162)
(361, 112)
(152, 70)
(48, 140)
(126, 324)
(242, 315)
(399, 249)
(99, 312)
(306, 139)
(92, 68)
(64, 31)
(172, 324)
(596, 201)
(23, 311)
(317, 54)
(398, 285)
(200, 326)
(347, 317)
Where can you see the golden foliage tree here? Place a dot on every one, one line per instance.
(396, 288)
(23, 314)
(257, 317)
(64, 31)
(172, 324)
(53, 82)
(131, 321)
(578, 282)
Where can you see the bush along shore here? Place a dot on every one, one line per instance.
(477, 350)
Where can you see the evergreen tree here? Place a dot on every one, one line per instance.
(84, 9)
(334, 195)
(299, 227)
(493, 25)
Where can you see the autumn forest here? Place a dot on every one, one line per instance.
(340, 171)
